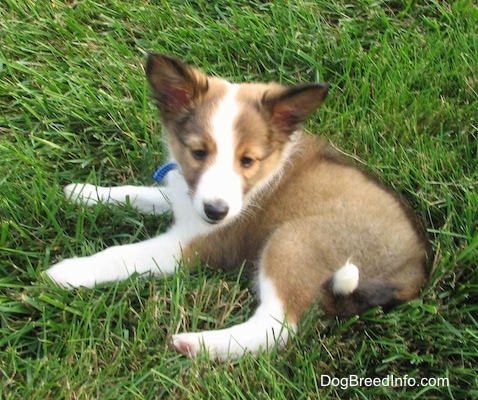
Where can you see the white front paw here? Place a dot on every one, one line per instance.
(85, 193)
(72, 272)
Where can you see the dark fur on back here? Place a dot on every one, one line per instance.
(360, 300)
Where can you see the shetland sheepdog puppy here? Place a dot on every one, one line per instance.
(249, 185)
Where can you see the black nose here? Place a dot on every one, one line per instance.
(216, 210)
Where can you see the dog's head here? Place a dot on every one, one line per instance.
(230, 140)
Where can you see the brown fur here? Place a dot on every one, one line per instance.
(318, 211)
(321, 214)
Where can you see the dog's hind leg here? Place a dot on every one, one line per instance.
(264, 330)
(297, 261)
(288, 282)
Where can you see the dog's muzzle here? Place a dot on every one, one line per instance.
(216, 211)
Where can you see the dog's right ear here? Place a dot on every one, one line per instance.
(175, 85)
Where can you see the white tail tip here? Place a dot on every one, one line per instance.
(346, 279)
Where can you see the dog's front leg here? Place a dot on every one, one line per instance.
(148, 200)
(156, 256)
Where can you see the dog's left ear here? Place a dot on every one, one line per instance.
(290, 106)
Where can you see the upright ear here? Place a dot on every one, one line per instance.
(290, 106)
(175, 85)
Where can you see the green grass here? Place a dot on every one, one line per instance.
(74, 106)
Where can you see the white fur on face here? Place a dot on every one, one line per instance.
(220, 182)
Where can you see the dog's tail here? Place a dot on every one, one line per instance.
(345, 296)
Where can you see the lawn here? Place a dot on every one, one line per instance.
(74, 106)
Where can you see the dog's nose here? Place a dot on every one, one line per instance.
(216, 210)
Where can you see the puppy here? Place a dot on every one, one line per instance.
(246, 184)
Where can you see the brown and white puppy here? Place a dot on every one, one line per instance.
(251, 186)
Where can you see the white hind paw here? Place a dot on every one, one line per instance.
(260, 333)
(187, 343)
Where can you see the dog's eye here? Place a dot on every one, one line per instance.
(247, 162)
(199, 154)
